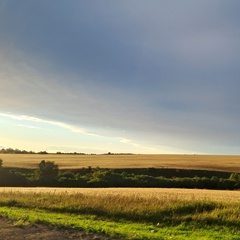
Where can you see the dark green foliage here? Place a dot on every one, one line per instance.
(15, 151)
(67, 179)
(47, 172)
(67, 175)
(173, 172)
(235, 177)
(42, 152)
(12, 178)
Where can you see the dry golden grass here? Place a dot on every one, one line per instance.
(168, 194)
(205, 162)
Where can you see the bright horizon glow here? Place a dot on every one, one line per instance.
(46, 128)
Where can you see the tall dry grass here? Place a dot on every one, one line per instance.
(160, 193)
(133, 206)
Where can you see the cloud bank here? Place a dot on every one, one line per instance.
(159, 73)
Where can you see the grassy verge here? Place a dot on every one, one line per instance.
(127, 217)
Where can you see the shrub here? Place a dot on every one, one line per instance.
(47, 172)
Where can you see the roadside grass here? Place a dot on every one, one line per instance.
(126, 217)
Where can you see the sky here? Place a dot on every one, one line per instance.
(153, 77)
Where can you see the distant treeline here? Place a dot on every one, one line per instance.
(18, 151)
(48, 174)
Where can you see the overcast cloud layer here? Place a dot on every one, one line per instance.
(162, 73)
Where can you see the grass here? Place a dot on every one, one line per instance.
(168, 194)
(128, 215)
(202, 162)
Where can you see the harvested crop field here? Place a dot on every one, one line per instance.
(199, 162)
(162, 193)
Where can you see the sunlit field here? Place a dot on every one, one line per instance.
(156, 193)
(128, 213)
(203, 162)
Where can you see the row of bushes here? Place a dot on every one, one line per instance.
(48, 174)
(108, 178)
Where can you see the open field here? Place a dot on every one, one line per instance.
(158, 193)
(128, 213)
(200, 162)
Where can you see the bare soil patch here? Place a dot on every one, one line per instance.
(41, 232)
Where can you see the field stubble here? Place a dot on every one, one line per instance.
(228, 163)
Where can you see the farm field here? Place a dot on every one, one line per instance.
(127, 213)
(200, 162)
(122, 213)
(158, 193)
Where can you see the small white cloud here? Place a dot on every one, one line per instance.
(38, 120)
(27, 126)
(131, 142)
(124, 140)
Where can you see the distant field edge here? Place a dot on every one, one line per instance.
(219, 163)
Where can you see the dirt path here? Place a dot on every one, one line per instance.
(40, 232)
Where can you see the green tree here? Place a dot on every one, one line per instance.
(47, 172)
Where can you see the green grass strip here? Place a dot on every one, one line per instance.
(125, 230)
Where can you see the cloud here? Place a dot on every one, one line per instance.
(166, 73)
(38, 120)
(128, 142)
(27, 126)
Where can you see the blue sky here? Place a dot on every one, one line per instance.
(120, 76)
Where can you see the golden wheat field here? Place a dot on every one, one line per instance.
(168, 194)
(204, 162)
